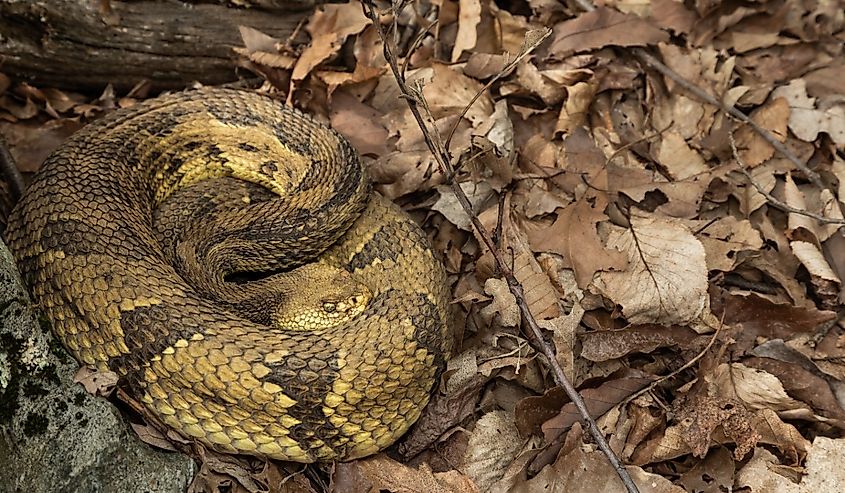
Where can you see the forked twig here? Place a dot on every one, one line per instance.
(771, 199)
(416, 102)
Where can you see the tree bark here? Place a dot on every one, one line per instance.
(85, 44)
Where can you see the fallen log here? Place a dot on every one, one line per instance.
(85, 44)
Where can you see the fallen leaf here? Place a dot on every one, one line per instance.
(151, 436)
(96, 382)
(382, 473)
(359, 123)
(712, 475)
(493, 445)
(598, 401)
(469, 17)
(674, 15)
(479, 194)
(824, 279)
(583, 469)
(679, 159)
(773, 116)
(445, 411)
(666, 278)
(603, 345)
(574, 236)
(504, 303)
(329, 27)
(806, 120)
(759, 475)
(603, 27)
(540, 294)
(725, 240)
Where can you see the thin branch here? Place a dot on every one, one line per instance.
(416, 102)
(771, 198)
(526, 50)
(675, 373)
(9, 171)
(416, 44)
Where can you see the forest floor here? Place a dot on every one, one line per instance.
(686, 273)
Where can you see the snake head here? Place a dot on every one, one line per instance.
(325, 298)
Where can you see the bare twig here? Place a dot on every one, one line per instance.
(9, 170)
(677, 372)
(526, 50)
(771, 198)
(416, 43)
(417, 104)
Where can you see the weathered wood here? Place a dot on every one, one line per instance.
(85, 44)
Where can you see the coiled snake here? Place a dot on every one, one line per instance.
(224, 255)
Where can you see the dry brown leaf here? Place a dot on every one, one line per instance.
(598, 401)
(448, 92)
(823, 472)
(493, 445)
(806, 119)
(96, 382)
(825, 282)
(226, 472)
(255, 40)
(800, 378)
(574, 112)
(484, 65)
(469, 17)
(583, 469)
(725, 239)
(382, 473)
(773, 116)
(574, 236)
(335, 79)
(329, 27)
(759, 317)
(714, 474)
(603, 27)
(539, 292)
(672, 14)
(479, 195)
(666, 279)
(563, 336)
(679, 159)
(603, 345)
(445, 411)
(813, 201)
(758, 390)
(494, 140)
(504, 303)
(31, 142)
(152, 436)
(360, 123)
(759, 475)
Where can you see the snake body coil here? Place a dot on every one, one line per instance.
(225, 257)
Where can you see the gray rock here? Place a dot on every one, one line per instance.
(54, 436)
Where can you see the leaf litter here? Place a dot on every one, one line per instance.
(699, 318)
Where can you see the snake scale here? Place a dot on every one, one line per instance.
(226, 257)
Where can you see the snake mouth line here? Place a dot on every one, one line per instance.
(247, 277)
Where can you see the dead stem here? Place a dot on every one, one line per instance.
(774, 202)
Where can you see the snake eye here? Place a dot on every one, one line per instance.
(329, 307)
(354, 300)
